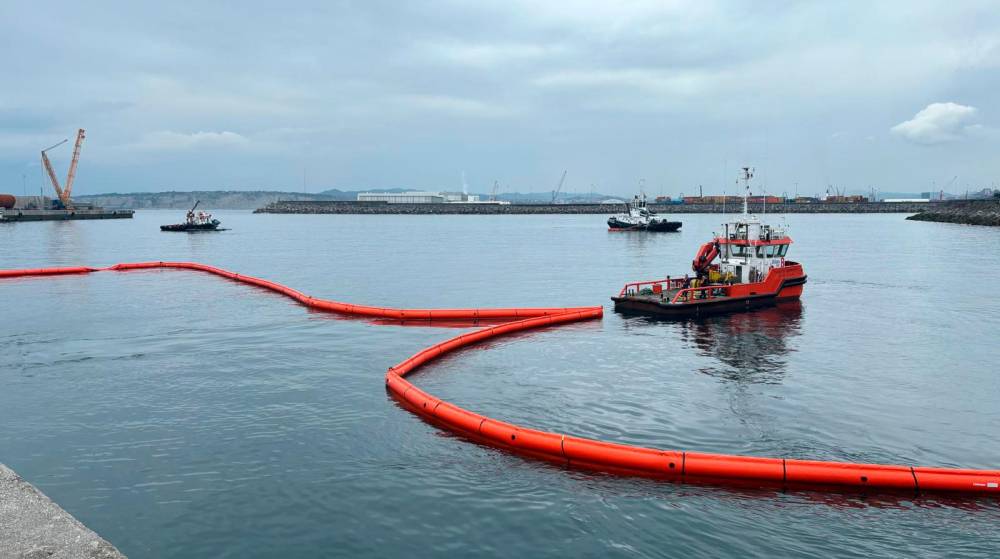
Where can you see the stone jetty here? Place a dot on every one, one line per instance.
(969, 212)
(340, 207)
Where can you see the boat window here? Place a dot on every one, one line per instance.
(782, 250)
(760, 251)
(739, 250)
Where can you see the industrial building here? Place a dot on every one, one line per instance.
(423, 198)
(402, 197)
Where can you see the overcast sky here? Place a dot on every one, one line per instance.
(367, 94)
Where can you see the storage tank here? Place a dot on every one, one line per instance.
(7, 201)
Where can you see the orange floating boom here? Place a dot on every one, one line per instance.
(674, 465)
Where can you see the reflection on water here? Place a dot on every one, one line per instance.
(754, 345)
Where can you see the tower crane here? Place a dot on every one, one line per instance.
(64, 193)
(555, 193)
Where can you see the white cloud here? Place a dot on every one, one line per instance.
(647, 80)
(938, 123)
(485, 55)
(456, 106)
(175, 141)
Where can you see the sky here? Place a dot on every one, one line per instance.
(661, 96)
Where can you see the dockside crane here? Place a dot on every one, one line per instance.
(64, 194)
(555, 193)
(48, 168)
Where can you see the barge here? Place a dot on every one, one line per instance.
(752, 272)
(14, 215)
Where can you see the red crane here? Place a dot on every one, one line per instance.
(61, 193)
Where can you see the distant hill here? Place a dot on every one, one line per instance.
(210, 199)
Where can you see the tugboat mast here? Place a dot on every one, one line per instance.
(747, 175)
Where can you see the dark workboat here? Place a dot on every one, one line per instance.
(638, 217)
(751, 272)
(202, 221)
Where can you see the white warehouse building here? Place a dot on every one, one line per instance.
(402, 197)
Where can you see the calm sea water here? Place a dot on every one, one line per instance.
(180, 415)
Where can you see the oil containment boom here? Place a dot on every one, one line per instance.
(577, 452)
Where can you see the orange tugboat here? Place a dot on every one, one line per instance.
(751, 272)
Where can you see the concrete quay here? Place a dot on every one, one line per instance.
(34, 527)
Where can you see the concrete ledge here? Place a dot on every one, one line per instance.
(33, 527)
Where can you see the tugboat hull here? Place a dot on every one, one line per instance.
(192, 227)
(615, 224)
(790, 291)
(782, 284)
(666, 226)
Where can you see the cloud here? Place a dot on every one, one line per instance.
(176, 141)
(938, 123)
(486, 55)
(382, 93)
(451, 105)
(654, 81)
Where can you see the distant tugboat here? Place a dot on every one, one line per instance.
(752, 272)
(202, 221)
(638, 217)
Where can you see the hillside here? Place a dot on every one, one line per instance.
(210, 199)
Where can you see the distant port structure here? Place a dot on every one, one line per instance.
(422, 202)
(62, 207)
(416, 197)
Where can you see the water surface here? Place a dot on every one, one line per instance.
(180, 415)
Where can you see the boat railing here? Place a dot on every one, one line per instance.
(656, 286)
(700, 293)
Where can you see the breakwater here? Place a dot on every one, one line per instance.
(341, 207)
(969, 212)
